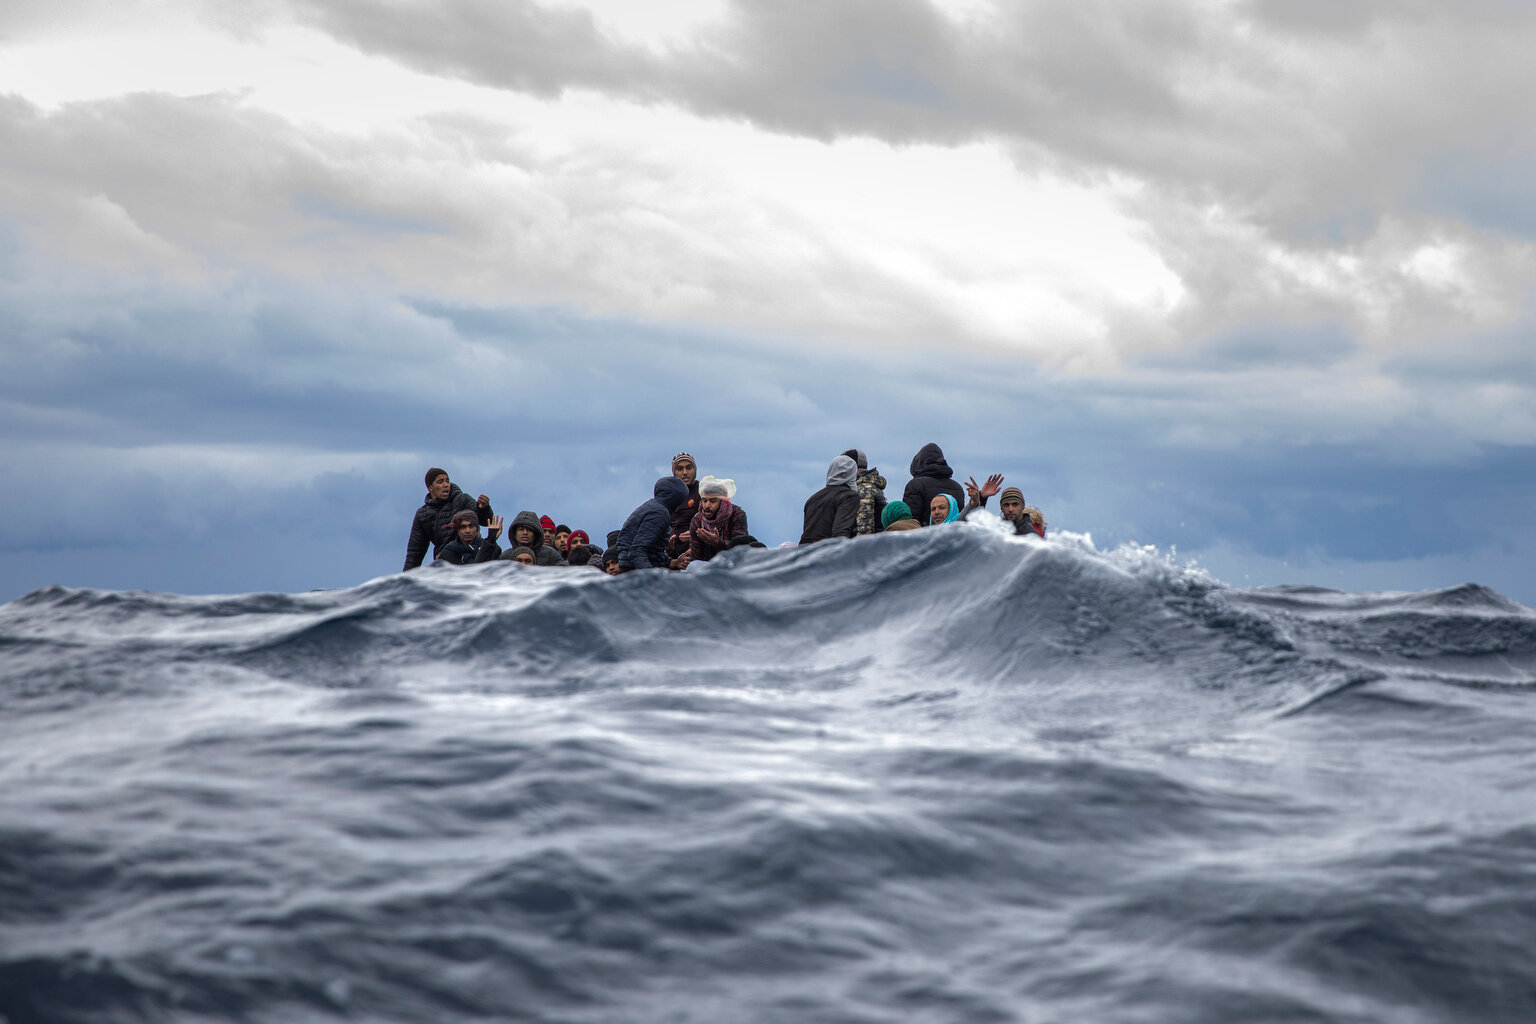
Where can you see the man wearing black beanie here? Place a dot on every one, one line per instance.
(433, 523)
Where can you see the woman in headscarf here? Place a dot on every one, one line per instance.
(717, 522)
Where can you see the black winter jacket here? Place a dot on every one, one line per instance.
(931, 477)
(433, 524)
(543, 554)
(682, 516)
(643, 538)
(456, 552)
(833, 511)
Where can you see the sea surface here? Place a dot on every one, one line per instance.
(943, 776)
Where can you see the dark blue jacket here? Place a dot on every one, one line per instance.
(643, 538)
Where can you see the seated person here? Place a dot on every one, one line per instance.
(468, 547)
(528, 532)
(1025, 518)
(896, 517)
(945, 508)
(717, 522)
(522, 555)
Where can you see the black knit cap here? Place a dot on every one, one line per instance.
(434, 473)
(466, 515)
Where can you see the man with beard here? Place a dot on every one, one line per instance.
(1011, 505)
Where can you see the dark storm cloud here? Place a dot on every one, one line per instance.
(1315, 119)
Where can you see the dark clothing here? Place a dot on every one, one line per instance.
(1021, 525)
(871, 488)
(456, 552)
(683, 515)
(931, 477)
(833, 511)
(735, 525)
(643, 538)
(433, 524)
(543, 554)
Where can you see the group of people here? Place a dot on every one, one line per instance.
(689, 519)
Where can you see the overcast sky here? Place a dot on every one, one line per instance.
(1248, 281)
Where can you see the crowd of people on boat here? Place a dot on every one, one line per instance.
(692, 519)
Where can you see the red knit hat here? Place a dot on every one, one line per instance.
(572, 541)
(546, 522)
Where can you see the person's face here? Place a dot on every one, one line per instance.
(612, 568)
(440, 487)
(468, 532)
(523, 558)
(549, 537)
(523, 535)
(938, 510)
(685, 471)
(711, 504)
(1013, 508)
(561, 540)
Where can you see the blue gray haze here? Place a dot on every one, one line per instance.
(944, 776)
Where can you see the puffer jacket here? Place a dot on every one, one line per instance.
(543, 554)
(456, 552)
(833, 511)
(682, 516)
(644, 535)
(931, 477)
(432, 526)
(871, 488)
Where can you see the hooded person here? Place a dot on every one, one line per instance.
(944, 509)
(686, 470)
(432, 525)
(644, 536)
(528, 532)
(717, 522)
(931, 476)
(833, 511)
(896, 517)
(871, 487)
(468, 547)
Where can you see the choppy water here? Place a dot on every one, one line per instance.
(948, 776)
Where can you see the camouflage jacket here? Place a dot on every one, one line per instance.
(871, 487)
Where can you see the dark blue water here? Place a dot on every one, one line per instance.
(946, 776)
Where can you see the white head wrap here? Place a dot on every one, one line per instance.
(725, 488)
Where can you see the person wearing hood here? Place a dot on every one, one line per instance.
(686, 470)
(944, 509)
(897, 517)
(644, 536)
(528, 532)
(931, 476)
(432, 526)
(833, 511)
(871, 487)
(717, 522)
(469, 548)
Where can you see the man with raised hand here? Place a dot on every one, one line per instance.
(432, 526)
